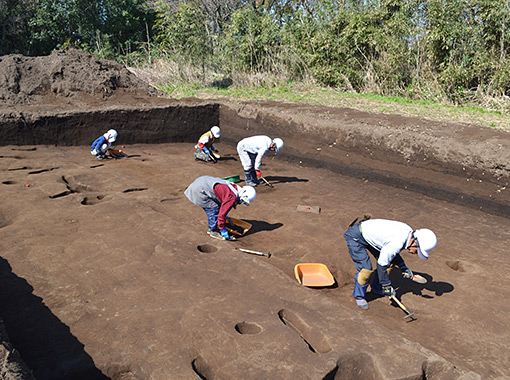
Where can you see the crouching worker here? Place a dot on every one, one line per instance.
(217, 197)
(101, 145)
(384, 239)
(205, 149)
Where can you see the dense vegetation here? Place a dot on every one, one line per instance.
(451, 51)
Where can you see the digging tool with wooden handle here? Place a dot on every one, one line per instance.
(401, 305)
(268, 255)
(213, 158)
(266, 182)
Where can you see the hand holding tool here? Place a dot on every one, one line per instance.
(406, 272)
(224, 233)
(214, 159)
(388, 291)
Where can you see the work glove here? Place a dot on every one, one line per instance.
(259, 173)
(388, 291)
(207, 151)
(224, 233)
(406, 272)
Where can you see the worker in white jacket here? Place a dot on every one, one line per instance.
(251, 150)
(384, 239)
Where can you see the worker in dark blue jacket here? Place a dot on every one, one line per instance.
(101, 145)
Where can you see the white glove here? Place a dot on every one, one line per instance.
(104, 148)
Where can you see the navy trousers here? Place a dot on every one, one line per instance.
(358, 247)
(212, 217)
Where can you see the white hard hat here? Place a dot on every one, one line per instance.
(215, 131)
(278, 144)
(427, 241)
(247, 194)
(111, 135)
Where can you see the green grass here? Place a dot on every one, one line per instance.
(311, 94)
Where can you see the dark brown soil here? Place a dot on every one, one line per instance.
(106, 269)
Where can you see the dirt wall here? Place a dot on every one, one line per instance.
(177, 123)
(462, 164)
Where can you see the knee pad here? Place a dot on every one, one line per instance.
(364, 276)
(390, 268)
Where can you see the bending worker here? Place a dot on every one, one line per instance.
(205, 149)
(101, 145)
(384, 239)
(251, 150)
(217, 197)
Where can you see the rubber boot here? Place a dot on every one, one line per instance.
(249, 180)
(254, 176)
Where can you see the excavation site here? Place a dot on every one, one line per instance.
(107, 270)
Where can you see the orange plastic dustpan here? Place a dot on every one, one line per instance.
(313, 274)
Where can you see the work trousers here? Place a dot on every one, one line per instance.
(358, 247)
(212, 217)
(247, 158)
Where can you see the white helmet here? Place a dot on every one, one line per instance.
(247, 194)
(427, 240)
(215, 132)
(278, 144)
(111, 135)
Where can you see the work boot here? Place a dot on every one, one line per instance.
(249, 179)
(362, 303)
(254, 176)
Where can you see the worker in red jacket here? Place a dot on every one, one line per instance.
(217, 197)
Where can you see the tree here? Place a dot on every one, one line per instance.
(183, 32)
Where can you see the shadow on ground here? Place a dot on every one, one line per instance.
(281, 179)
(44, 342)
(260, 225)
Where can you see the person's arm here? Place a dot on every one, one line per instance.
(228, 200)
(400, 263)
(258, 160)
(205, 140)
(96, 144)
(388, 253)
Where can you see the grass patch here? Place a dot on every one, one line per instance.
(265, 88)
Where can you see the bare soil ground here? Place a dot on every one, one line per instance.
(106, 269)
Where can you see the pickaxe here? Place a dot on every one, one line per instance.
(409, 315)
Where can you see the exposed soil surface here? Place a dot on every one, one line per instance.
(106, 269)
